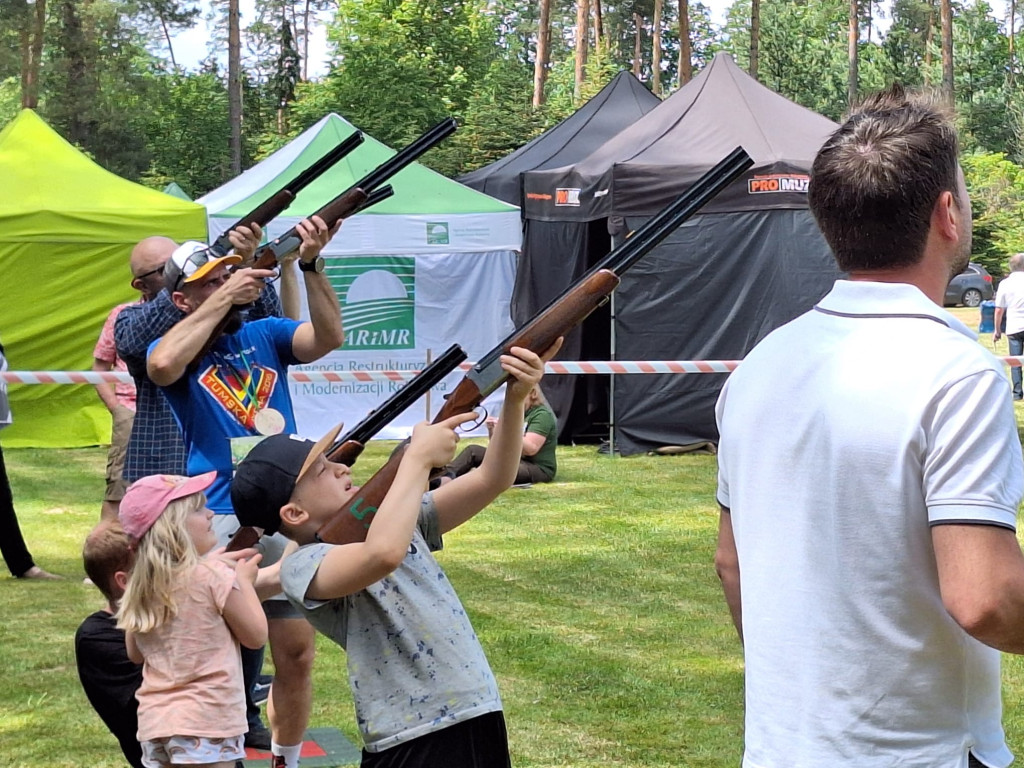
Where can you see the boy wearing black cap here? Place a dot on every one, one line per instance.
(424, 693)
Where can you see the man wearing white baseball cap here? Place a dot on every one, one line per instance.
(237, 394)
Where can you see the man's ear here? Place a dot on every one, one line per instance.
(138, 285)
(181, 301)
(947, 216)
(121, 581)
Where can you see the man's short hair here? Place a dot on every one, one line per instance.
(875, 182)
(1017, 262)
(107, 550)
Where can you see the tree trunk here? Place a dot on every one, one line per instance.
(598, 23)
(946, 16)
(929, 36)
(854, 38)
(32, 54)
(305, 40)
(685, 50)
(582, 32)
(540, 64)
(235, 86)
(656, 48)
(755, 35)
(637, 51)
(1011, 23)
(170, 46)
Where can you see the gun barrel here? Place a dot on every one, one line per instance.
(317, 169)
(378, 195)
(410, 392)
(643, 240)
(406, 155)
(663, 223)
(280, 200)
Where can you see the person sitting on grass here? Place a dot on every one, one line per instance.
(537, 463)
(424, 693)
(184, 616)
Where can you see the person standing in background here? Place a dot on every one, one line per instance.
(1010, 304)
(119, 399)
(12, 543)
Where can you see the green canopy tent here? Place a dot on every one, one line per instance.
(433, 265)
(67, 227)
(174, 190)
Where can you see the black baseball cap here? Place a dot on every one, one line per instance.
(266, 478)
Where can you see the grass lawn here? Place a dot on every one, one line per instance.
(595, 599)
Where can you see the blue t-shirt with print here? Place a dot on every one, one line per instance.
(243, 373)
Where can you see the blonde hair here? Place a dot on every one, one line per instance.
(165, 554)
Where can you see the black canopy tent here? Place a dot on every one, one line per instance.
(752, 260)
(622, 102)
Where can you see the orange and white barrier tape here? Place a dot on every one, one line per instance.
(557, 367)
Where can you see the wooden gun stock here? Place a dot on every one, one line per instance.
(245, 537)
(351, 524)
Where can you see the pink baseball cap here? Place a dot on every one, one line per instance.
(147, 498)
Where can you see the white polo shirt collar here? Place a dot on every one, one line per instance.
(866, 299)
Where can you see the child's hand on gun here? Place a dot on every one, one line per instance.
(434, 444)
(526, 369)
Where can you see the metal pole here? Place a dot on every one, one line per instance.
(611, 385)
(430, 356)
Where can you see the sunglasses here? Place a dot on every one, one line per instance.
(197, 259)
(158, 271)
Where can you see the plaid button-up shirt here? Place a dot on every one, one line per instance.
(156, 447)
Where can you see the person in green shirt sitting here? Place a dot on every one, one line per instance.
(537, 464)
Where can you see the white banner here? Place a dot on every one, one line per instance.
(398, 311)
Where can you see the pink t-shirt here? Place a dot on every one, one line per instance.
(106, 351)
(192, 674)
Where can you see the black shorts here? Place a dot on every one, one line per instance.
(478, 743)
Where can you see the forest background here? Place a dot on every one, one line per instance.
(104, 74)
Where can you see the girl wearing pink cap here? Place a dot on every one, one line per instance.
(184, 616)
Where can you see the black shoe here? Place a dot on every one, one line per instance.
(258, 738)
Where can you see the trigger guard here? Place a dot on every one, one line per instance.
(477, 423)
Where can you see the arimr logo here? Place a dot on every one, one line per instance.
(567, 196)
(378, 300)
(437, 233)
(778, 182)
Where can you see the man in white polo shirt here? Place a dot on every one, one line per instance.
(1010, 302)
(869, 477)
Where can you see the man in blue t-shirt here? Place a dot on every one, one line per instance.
(237, 394)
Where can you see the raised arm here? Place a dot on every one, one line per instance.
(464, 496)
(348, 568)
(323, 333)
(181, 344)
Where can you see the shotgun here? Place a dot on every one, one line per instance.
(273, 206)
(356, 196)
(364, 193)
(556, 319)
(347, 448)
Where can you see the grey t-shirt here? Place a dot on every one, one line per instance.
(415, 665)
